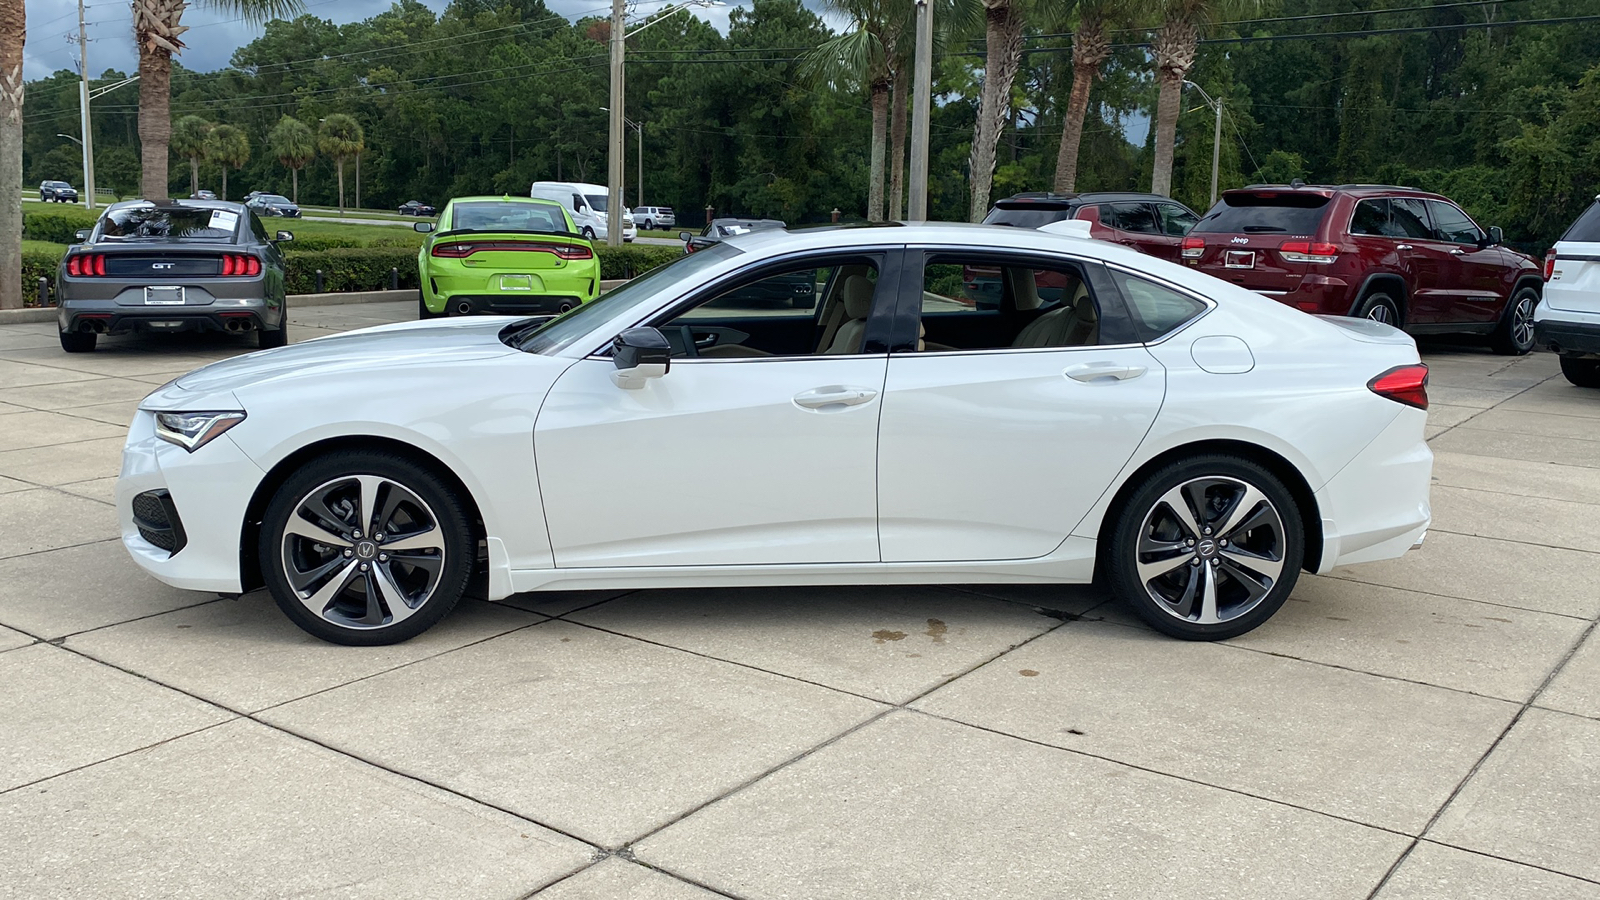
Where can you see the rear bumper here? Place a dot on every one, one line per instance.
(1568, 335)
(1377, 507)
(108, 317)
(510, 304)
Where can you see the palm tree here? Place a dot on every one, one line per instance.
(860, 57)
(340, 137)
(1174, 48)
(1002, 59)
(189, 139)
(230, 148)
(1091, 47)
(13, 31)
(293, 144)
(156, 29)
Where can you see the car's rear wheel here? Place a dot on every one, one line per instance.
(1206, 548)
(1581, 372)
(78, 341)
(1380, 307)
(267, 339)
(1514, 335)
(588, 233)
(366, 548)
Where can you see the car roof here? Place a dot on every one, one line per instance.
(1084, 199)
(1328, 190)
(504, 198)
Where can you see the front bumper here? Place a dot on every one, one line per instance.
(208, 490)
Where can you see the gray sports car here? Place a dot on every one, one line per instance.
(173, 265)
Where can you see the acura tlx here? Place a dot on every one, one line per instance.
(1101, 415)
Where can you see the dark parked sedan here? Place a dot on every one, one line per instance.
(58, 191)
(416, 208)
(173, 265)
(273, 205)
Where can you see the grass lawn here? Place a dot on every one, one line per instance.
(43, 247)
(666, 232)
(366, 234)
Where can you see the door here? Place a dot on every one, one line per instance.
(748, 451)
(1428, 261)
(1478, 288)
(994, 444)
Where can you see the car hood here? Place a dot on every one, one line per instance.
(408, 345)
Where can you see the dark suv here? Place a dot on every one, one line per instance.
(1146, 222)
(1392, 254)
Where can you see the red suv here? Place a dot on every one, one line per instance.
(1393, 254)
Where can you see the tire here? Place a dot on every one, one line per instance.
(1380, 307)
(78, 341)
(268, 339)
(329, 595)
(1514, 335)
(1171, 597)
(588, 234)
(1584, 373)
(648, 225)
(424, 313)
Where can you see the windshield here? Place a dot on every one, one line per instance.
(183, 224)
(274, 198)
(556, 334)
(500, 215)
(56, 184)
(1286, 213)
(597, 202)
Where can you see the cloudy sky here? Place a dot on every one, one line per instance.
(213, 36)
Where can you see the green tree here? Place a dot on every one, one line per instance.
(292, 143)
(191, 139)
(340, 137)
(117, 170)
(1091, 47)
(861, 57)
(230, 148)
(157, 29)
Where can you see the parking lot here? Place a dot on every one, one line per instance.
(1423, 727)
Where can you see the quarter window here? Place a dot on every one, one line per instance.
(1371, 219)
(1157, 310)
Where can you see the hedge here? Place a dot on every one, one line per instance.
(56, 225)
(632, 260)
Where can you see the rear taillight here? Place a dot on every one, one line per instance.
(240, 264)
(1193, 247)
(1549, 263)
(86, 265)
(1308, 252)
(1403, 384)
(464, 250)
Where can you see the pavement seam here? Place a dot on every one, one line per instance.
(1450, 428)
(62, 547)
(1379, 584)
(1478, 766)
(628, 857)
(1526, 496)
(90, 765)
(1498, 537)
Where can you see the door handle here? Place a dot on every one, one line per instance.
(1457, 251)
(1102, 371)
(834, 395)
(1402, 246)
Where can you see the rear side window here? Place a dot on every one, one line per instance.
(1137, 218)
(1157, 309)
(1409, 219)
(1587, 228)
(1297, 213)
(1027, 215)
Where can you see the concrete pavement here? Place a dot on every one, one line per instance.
(1422, 728)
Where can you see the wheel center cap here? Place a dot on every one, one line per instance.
(366, 550)
(1207, 548)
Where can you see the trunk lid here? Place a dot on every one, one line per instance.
(1574, 284)
(1240, 239)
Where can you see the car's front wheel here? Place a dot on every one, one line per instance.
(1206, 548)
(1514, 335)
(1581, 372)
(366, 548)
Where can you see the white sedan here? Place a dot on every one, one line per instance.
(950, 404)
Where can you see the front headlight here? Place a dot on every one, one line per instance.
(193, 430)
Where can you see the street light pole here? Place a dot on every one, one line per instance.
(1216, 139)
(921, 99)
(83, 111)
(615, 162)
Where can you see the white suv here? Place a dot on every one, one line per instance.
(1568, 319)
(651, 217)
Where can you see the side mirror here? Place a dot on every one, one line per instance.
(283, 237)
(423, 227)
(639, 354)
(685, 236)
(80, 235)
(1496, 236)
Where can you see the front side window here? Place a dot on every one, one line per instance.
(1453, 225)
(1156, 309)
(816, 308)
(597, 202)
(984, 303)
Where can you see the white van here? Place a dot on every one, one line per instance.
(587, 205)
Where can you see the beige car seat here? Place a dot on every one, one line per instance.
(856, 297)
(1075, 324)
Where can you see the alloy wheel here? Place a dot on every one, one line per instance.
(363, 551)
(1522, 322)
(1381, 313)
(1210, 550)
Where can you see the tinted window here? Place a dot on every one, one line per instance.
(1451, 224)
(1175, 220)
(974, 303)
(1296, 213)
(184, 224)
(1138, 218)
(1587, 228)
(504, 216)
(1156, 308)
(1371, 218)
(1408, 218)
(1027, 215)
(597, 201)
(776, 314)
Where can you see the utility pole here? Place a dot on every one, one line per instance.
(921, 99)
(639, 127)
(615, 160)
(83, 113)
(1216, 139)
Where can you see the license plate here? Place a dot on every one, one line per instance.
(1240, 259)
(516, 282)
(164, 296)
